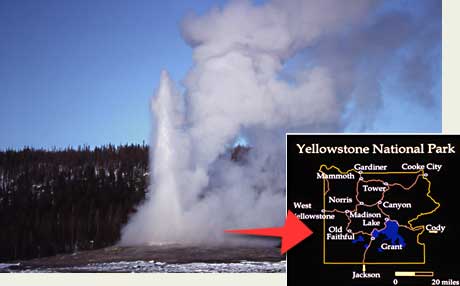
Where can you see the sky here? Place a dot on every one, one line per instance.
(83, 72)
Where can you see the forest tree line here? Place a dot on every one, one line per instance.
(62, 201)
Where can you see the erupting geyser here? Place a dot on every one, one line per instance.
(166, 144)
(164, 212)
(179, 209)
(239, 85)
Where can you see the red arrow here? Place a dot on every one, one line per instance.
(292, 233)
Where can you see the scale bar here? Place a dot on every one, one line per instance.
(414, 273)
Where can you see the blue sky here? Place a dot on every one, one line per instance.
(83, 72)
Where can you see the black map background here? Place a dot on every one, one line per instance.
(304, 261)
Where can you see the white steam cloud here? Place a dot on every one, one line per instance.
(238, 86)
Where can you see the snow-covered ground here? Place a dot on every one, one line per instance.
(153, 266)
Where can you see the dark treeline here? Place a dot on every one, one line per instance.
(62, 201)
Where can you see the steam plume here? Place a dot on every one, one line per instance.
(239, 85)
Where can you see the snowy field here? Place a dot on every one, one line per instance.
(160, 267)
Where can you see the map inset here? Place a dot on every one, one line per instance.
(376, 215)
(383, 208)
